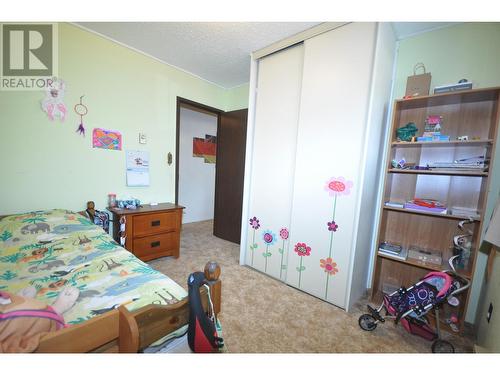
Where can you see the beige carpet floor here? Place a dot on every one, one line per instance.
(263, 315)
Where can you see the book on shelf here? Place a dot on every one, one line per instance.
(441, 165)
(453, 87)
(394, 204)
(422, 255)
(473, 163)
(426, 205)
(390, 247)
(466, 212)
(426, 137)
(401, 256)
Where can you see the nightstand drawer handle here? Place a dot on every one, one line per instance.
(155, 244)
(155, 223)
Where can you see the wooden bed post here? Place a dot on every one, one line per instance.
(212, 273)
(128, 339)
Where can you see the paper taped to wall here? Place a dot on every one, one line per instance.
(137, 168)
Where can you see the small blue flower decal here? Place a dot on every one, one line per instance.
(269, 238)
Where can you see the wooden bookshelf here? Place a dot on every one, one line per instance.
(475, 113)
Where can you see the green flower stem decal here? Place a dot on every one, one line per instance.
(284, 236)
(254, 223)
(332, 227)
(269, 239)
(282, 251)
(300, 268)
(266, 255)
(326, 289)
(253, 246)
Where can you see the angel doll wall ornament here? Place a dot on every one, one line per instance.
(53, 103)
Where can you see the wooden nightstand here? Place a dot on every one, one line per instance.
(151, 231)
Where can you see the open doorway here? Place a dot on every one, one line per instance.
(210, 164)
(196, 159)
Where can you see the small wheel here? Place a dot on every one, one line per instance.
(367, 322)
(442, 346)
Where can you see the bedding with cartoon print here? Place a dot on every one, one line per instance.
(56, 248)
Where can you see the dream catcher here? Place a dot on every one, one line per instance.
(81, 110)
(53, 103)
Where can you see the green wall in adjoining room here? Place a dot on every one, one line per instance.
(237, 97)
(468, 50)
(47, 164)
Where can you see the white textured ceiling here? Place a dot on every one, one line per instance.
(216, 51)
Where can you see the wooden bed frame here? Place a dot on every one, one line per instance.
(123, 331)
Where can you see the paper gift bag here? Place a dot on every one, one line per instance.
(418, 84)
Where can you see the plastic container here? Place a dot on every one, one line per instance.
(111, 200)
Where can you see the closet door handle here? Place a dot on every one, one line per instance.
(155, 244)
(155, 223)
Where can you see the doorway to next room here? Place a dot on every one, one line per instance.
(210, 164)
(197, 158)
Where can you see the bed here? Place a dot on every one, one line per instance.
(124, 305)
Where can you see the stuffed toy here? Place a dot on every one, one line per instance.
(24, 320)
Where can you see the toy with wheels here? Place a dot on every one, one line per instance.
(409, 306)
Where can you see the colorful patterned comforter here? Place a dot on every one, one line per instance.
(52, 249)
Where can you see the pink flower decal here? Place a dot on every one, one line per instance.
(332, 226)
(302, 249)
(254, 223)
(338, 186)
(269, 239)
(329, 266)
(284, 234)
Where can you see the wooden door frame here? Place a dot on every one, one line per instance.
(196, 107)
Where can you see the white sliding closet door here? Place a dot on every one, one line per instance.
(330, 143)
(274, 147)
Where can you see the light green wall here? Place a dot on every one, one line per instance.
(46, 164)
(238, 97)
(488, 334)
(472, 51)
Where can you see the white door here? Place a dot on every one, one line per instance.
(333, 108)
(271, 181)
